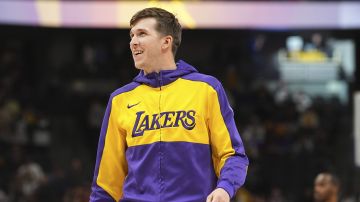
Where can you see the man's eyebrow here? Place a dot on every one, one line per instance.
(137, 30)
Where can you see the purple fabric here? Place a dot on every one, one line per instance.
(234, 170)
(165, 77)
(98, 194)
(179, 175)
(233, 173)
(176, 171)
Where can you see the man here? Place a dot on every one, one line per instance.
(170, 134)
(326, 188)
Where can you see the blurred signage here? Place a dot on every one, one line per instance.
(192, 14)
(357, 128)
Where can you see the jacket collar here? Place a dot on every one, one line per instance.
(165, 77)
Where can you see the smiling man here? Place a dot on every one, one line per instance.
(170, 134)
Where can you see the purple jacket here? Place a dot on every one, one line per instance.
(168, 136)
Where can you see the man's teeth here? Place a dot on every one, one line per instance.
(138, 52)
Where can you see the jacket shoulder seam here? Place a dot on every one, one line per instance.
(127, 88)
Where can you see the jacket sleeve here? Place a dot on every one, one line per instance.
(228, 154)
(111, 165)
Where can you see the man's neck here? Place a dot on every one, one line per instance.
(166, 65)
(333, 199)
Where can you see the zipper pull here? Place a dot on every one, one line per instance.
(160, 78)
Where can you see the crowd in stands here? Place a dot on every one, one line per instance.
(50, 119)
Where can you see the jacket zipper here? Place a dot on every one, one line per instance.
(161, 180)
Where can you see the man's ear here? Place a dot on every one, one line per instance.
(167, 42)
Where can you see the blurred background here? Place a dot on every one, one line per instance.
(290, 70)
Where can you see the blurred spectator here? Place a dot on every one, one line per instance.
(242, 195)
(3, 197)
(55, 185)
(318, 43)
(326, 188)
(41, 134)
(29, 178)
(282, 93)
(9, 112)
(302, 101)
(276, 195)
(78, 194)
(309, 119)
(254, 137)
(76, 174)
(317, 49)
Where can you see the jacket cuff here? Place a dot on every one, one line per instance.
(99, 194)
(227, 187)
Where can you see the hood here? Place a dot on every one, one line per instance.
(165, 77)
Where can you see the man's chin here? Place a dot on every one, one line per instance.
(138, 66)
(318, 198)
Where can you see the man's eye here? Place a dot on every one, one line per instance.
(142, 34)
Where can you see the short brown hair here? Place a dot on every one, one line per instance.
(167, 23)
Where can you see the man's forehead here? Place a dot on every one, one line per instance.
(143, 24)
(135, 29)
(322, 178)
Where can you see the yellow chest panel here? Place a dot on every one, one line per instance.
(172, 113)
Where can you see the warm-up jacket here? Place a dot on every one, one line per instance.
(168, 137)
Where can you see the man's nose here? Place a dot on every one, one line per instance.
(134, 41)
